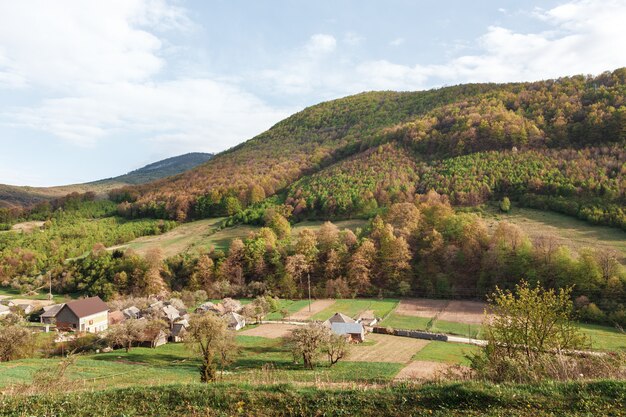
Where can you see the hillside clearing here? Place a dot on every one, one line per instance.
(204, 235)
(565, 230)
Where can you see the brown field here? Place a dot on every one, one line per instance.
(270, 330)
(421, 370)
(421, 307)
(468, 312)
(386, 348)
(316, 307)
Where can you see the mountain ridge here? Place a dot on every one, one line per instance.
(12, 195)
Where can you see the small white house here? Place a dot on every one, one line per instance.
(235, 321)
(4, 310)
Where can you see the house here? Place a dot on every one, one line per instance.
(131, 312)
(209, 306)
(26, 308)
(235, 321)
(116, 317)
(368, 321)
(87, 315)
(170, 313)
(355, 332)
(178, 330)
(340, 318)
(4, 310)
(49, 313)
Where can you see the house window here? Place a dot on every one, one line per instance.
(90, 322)
(73, 325)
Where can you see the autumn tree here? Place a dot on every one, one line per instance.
(126, 333)
(209, 335)
(306, 342)
(16, 342)
(360, 268)
(528, 327)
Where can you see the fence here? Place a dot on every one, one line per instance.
(415, 334)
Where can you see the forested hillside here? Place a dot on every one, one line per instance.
(555, 144)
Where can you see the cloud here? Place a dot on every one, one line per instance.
(581, 36)
(100, 69)
(321, 44)
(397, 42)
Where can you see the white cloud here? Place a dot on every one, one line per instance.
(97, 68)
(582, 36)
(397, 42)
(321, 44)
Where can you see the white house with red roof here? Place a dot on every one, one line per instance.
(89, 315)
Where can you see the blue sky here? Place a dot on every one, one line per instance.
(93, 89)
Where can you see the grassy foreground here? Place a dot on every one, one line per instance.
(602, 398)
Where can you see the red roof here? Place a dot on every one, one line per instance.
(87, 307)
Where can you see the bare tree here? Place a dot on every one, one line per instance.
(336, 347)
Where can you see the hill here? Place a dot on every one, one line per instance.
(555, 144)
(27, 196)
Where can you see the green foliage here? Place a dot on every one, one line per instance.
(444, 399)
(505, 205)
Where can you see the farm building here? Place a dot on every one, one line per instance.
(131, 312)
(49, 313)
(178, 330)
(355, 332)
(116, 317)
(26, 308)
(89, 315)
(340, 318)
(235, 321)
(170, 313)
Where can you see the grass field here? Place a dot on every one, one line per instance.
(602, 337)
(42, 295)
(566, 230)
(451, 399)
(291, 306)
(353, 307)
(259, 360)
(203, 235)
(451, 353)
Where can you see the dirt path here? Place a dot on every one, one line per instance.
(386, 348)
(35, 303)
(27, 227)
(270, 331)
(316, 307)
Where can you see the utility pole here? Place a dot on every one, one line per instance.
(308, 276)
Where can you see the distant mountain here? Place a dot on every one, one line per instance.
(25, 196)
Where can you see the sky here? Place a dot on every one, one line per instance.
(91, 89)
